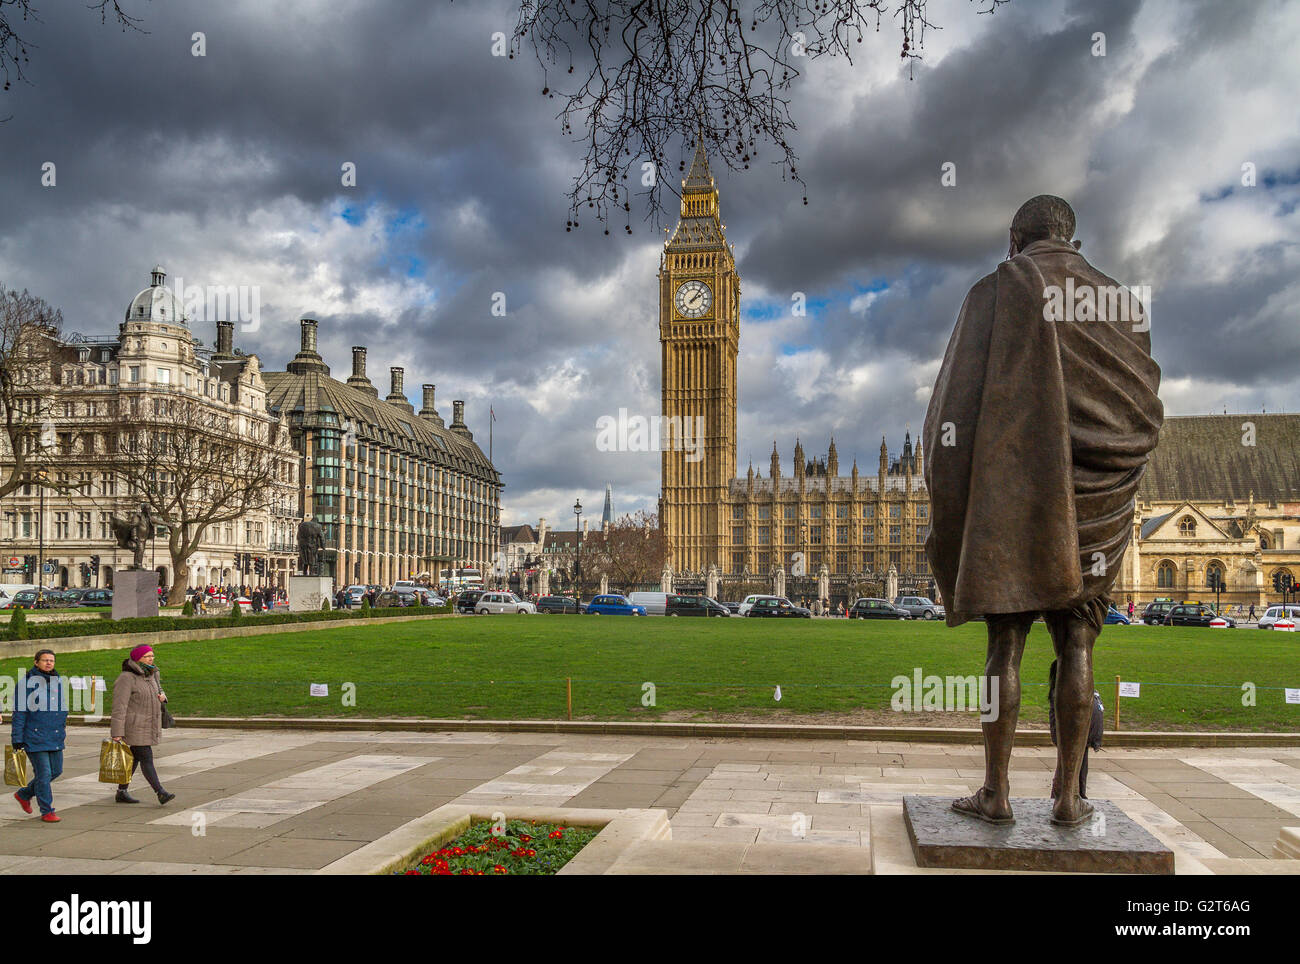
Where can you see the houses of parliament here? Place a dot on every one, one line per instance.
(751, 525)
(1219, 504)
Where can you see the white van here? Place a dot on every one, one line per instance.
(1273, 614)
(655, 603)
(9, 590)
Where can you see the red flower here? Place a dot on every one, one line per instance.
(432, 858)
(410, 872)
(500, 870)
(524, 838)
(556, 834)
(467, 870)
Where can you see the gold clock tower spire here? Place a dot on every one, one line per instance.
(699, 337)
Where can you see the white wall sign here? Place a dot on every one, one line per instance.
(320, 689)
(1130, 689)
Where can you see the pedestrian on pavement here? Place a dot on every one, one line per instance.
(1251, 615)
(40, 727)
(138, 700)
(257, 600)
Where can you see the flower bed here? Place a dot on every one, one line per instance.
(521, 847)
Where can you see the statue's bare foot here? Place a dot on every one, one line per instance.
(985, 805)
(1071, 813)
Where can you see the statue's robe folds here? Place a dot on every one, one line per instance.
(1036, 438)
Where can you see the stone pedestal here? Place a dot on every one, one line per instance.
(135, 593)
(306, 593)
(1110, 843)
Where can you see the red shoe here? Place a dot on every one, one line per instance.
(51, 817)
(25, 804)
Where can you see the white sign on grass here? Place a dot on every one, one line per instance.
(80, 683)
(1130, 689)
(1293, 696)
(320, 689)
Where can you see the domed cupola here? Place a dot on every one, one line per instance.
(157, 303)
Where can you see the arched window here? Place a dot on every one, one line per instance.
(1263, 541)
(1165, 575)
(1211, 571)
(1187, 527)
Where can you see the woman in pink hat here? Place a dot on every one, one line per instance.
(138, 700)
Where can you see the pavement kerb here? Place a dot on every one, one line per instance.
(81, 644)
(620, 829)
(890, 734)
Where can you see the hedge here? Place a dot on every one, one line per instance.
(165, 624)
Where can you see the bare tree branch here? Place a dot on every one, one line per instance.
(649, 75)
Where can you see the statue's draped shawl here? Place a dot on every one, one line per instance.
(1035, 440)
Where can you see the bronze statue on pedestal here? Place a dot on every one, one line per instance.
(1037, 435)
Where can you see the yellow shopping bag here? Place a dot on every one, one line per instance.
(16, 774)
(114, 762)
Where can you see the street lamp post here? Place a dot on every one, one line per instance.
(41, 477)
(577, 511)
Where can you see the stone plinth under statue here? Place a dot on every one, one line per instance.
(1109, 843)
(135, 593)
(306, 593)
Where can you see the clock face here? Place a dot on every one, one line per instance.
(694, 299)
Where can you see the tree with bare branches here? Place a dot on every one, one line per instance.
(631, 551)
(29, 344)
(15, 52)
(648, 75)
(196, 465)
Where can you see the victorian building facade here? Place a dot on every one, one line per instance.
(1221, 495)
(399, 493)
(96, 387)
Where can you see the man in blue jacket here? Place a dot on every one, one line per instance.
(40, 728)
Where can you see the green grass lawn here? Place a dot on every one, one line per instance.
(509, 667)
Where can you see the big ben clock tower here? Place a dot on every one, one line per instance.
(699, 335)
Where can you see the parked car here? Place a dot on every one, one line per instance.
(357, 592)
(95, 597)
(557, 604)
(868, 608)
(27, 599)
(919, 607)
(695, 606)
(655, 603)
(8, 592)
(733, 608)
(1115, 618)
(612, 605)
(466, 599)
(777, 606)
(430, 598)
(748, 601)
(1157, 610)
(395, 598)
(503, 602)
(1194, 614)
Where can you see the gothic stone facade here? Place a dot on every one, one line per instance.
(752, 526)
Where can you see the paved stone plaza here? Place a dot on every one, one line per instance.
(281, 801)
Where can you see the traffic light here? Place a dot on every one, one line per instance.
(259, 566)
(29, 564)
(94, 564)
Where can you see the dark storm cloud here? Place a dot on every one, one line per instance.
(227, 169)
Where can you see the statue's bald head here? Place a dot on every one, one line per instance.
(1043, 218)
